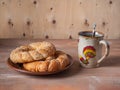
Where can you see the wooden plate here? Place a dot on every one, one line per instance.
(19, 68)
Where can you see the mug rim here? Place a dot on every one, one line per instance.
(81, 34)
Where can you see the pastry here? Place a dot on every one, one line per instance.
(32, 52)
(37, 66)
(62, 58)
(51, 64)
(40, 57)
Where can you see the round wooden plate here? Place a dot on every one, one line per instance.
(19, 68)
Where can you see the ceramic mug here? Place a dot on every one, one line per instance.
(90, 49)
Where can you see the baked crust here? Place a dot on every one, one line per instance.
(54, 63)
(37, 66)
(40, 57)
(32, 52)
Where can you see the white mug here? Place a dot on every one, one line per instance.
(90, 48)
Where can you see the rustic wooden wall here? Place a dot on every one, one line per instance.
(58, 18)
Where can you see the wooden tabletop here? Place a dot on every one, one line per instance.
(106, 77)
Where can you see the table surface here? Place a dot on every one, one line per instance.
(106, 77)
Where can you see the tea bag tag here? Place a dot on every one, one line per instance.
(94, 27)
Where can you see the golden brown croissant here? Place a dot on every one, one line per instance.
(51, 63)
(37, 66)
(32, 52)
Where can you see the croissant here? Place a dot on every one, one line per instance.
(32, 52)
(51, 63)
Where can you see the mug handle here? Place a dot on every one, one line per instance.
(107, 50)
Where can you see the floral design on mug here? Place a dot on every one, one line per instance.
(89, 52)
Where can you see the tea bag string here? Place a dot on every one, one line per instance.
(94, 27)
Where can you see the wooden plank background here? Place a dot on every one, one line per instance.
(58, 19)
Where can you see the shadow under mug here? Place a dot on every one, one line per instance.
(90, 48)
